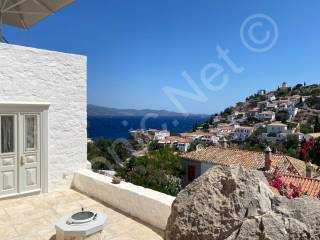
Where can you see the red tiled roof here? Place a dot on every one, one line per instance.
(244, 127)
(164, 131)
(175, 139)
(247, 159)
(277, 124)
(310, 186)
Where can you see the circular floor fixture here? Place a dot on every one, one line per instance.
(82, 224)
(82, 217)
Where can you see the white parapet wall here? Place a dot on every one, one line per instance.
(149, 206)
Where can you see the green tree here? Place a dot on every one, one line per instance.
(251, 119)
(306, 128)
(104, 153)
(153, 145)
(205, 126)
(100, 163)
(317, 124)
(93, 151)
(194, 127)
(291, 141)
(282, 116)
(211, 119)
(160, 170)
(228, 111)
(314, 152)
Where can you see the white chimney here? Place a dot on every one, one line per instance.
(224, 143)
(267, 158)
(309, 169)
(199, 147)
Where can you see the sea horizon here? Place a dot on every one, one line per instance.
(113, 127)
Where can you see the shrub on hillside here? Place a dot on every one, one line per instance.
(160, 171)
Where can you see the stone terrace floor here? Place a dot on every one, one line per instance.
(34, 217)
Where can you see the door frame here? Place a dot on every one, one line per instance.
(30, 107)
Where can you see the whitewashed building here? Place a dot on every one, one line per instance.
(182, 144)
(267, 116)
(277, 127)
(242, 133)
(310, 136)
(271, 97)
(292, 111)
(195, 163)
(156, 134)
(159, 135)
(43, 119)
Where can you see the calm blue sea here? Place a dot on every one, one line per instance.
(118, 127)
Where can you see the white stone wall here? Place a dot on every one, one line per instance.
(34, 75)
(150, 206)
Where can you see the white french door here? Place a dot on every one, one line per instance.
(20, 156)
(29, 169)
(8, 154)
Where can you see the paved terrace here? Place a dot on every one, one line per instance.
(34, 217)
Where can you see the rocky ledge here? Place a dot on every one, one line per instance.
(232, 203)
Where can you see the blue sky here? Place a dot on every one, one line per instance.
(136, 48)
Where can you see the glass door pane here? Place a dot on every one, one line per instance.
(31, 132)
(7, 134)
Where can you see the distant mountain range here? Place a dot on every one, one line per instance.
(98, 111)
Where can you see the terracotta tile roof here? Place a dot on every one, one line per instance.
(175, 139)
(190, 134)
(311, 186)
(247, 159)
(253, 110)
(277, 124)
(267, 112)
(314, 135)
(164, 131)
(245, 127)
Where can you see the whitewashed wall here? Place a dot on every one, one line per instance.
(150, 206)
(34, 75)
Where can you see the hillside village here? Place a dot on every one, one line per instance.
(282, 119)
(270, 132)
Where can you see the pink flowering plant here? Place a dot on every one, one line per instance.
(288, 190)
(269, 161)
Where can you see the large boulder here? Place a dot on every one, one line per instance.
(232, 203)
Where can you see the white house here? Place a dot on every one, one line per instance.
(292, 111)
(192, 135)
(271, 97)
(209, 139)
(182, 144)
(311, 136)
(159, 135)
(295, 99)
(242, 133)
(262, 104)
(267, 116)
(231, 118)
(277, 127)
(253, 112)
(195, 163)
(271, 106)
(43, 118)
(156, 134)
(261, 92)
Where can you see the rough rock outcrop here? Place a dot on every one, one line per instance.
(232, 203)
